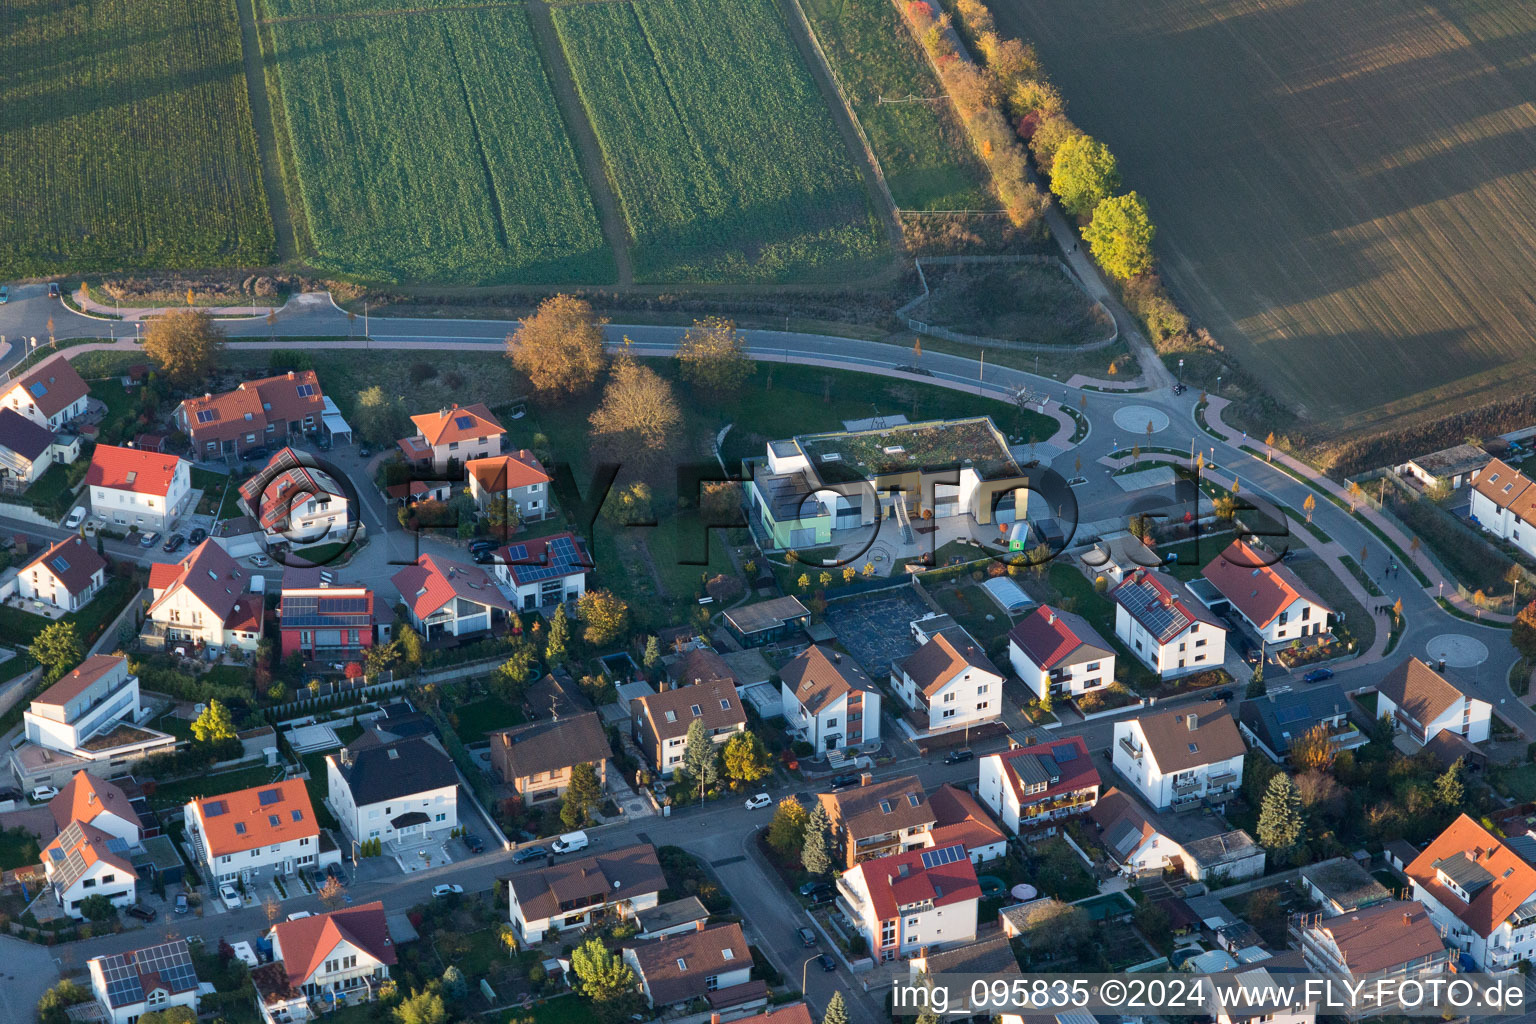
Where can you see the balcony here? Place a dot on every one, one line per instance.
(1221, 780)
(1133, 752)
(1185, 786)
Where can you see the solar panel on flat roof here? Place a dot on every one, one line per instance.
(946, 855)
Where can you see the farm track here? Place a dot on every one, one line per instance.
(266, 133)
(593, 168)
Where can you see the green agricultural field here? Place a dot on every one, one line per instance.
(428, 147)
(922, 147)
(1343, 190)
(276, 10)
(726, 162)
(126, 138)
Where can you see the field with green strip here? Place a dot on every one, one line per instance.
(926, 156)
(428, 147)
(126, 138)
(726, 161)
(275, 10)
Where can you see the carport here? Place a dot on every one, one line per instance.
(335, 424)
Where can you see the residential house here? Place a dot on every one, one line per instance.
(1340, 886)
(1277, 720)
(543, 572)
(808, 489)
(1119, 557)
(1226, 856)
(90, 715)
(265, 413)
(1266, 593)
(659, 722)
(101, 804)
(517, 480)
(1134, 845)
(344, 954)
(26, 450)
(1448, 468)
(447, 598)
(296, 502)
(1180, 759)
(1394, 941)
(875, 819)
(571, 893)
(1035, 789)
(990, 958)
(763, 622)
(536, 758)
(66, 576)
(1059, 653)
(1423, 704)
(448, 439)
(133, 488)
(948, 682)
(1504, 504)
(906, 902)
(205, 599)
(152, 979)
(254, 833)
(51, 394)
(696, 664)
(403, 793)
(327, 621)
(1168, 629)
(829, 701)
(789, 1013)
(708, 963)
(1266, 993)
(1480, 894)
(958, 818)
(682, 915)
(412, 492)
(84, 861)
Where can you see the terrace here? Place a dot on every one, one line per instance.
(916, 446)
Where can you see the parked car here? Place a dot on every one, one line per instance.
(76, 517)
(181, 903)
(1219, 695)
(173, 543)
(845, 780)
(529, 853)
(474, 842)
(41, 793)
(820, 896)
(259, 561)
(807, 937)
(5, 294)
(827, 963)
(143, 913)
(570, 842)
(93, 527)
(759, 801)
(332, 871)
(447, 890)
(364, 451)
(256, 455)
(299, 915)
(53, 289)
(485, 556)
(1318, 675)
(148, 538)
(197, 536)
(483, 544)
(957, 756)
(231, 896)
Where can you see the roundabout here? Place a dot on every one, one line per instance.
(1458, 650)
(1135, 418)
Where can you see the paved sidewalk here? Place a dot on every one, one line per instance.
(90, 307)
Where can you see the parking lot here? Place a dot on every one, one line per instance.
(875, 628)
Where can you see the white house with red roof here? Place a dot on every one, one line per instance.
(543, 571)
(98, 803)
(203, 599)
(84, 861)
(449, 438)
(1059, 653)
(908, 901)
(517, 480)
(257, 414)
(1504, 504)
(135, 487)
(65, 576)
(1270, 596)
(50, 394)
(447, 598)
(948, 683)
(347, 951)
(959, 818)
(1034, 789)
(296, 502)
(1168, 629)
(255, 833)
(1480, 893)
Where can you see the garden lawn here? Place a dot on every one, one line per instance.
(51, 494)
(18, 848)
(1518, 782)
(1357, 622)
(22, 627)
(126, 139)
(318, 787)
(177, 793)
(726, 162)
(682, 536)
(479, 718)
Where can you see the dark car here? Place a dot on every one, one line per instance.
(919, 370)
(332, 871)
(1317, 675)
(181, 903)
(474, 842)
(173, 543)
(814, 886)
(483, 557)
(197, 536)
(827, 963)
(807, 937)
(143, 913)
(845, 780)
(1219, 695)
(53, 289)
(529, 853)
(255, 454)
(957, 756)
(364, 451)
(484, 544)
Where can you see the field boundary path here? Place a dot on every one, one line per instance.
(594, 167)
(266, 133)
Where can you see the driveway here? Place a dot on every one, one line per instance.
(28, 972)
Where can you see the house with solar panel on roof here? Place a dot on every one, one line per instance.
(908, 902)
(1034, 789)
(1168, 629)
(66, 576)
(296, 502)
(543, 572)
(84, 861)
(261, 413)
(446, 598)
(51, 394)
(447, 439)
(256, 833)
(328, 621)
(129, 985)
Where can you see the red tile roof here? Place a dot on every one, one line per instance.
(1500, 483)
(944, 884)
(1511, 880)
(84, 797)
(91, 843)
(1073, 767)
(432, 582)
(505, 472)
(1257, 588)
(309, 940)
(288, 477)
(163, 574)
(946, 655)
(1161, 604)
(457, 423)
(1384, 936)
(289, 397)
(72, 561)
(131, 469)
(52, 385)
(961, 819)
(794, 1013)
(242, 821)
(1049, 637)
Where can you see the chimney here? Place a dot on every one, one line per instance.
(837, 657)
(1193, 721)
(1051, 618)
(865, 779)
(290, 375)
(1407, 919)
(698, 926)
(714, 1018)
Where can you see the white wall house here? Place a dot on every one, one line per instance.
(1504, 504)
(515, 480)
(1033, 789)
(1177, 759)
(829, 701)
(27, 450)
(136, 487)
(1273, 599)
(948, 681)
(543, 572)
(573, 891)
(296, 502)
(1169, 631)
(98, 803)
(87, 702)
(1423, 704)
(452, 436)
(153, 979)
(1060, 653)
(447, 598)
(1479, 893)
(84, 861)
(50, 394)
(1133, 843)
(403, 793)
(66, 576)
(203, 599)
(255, 833)
(343, 951)
(908, 901)
(706, 962)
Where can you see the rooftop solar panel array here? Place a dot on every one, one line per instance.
(309, 612)
(946, 855)
(561, 558)
(123, 973)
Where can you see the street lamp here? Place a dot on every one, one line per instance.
(803, 968)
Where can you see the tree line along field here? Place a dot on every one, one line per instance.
(725, 160)
(126, 139)
(1343, 190)
(428, 147)
(923, 150)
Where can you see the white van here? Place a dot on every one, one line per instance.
(570, 842)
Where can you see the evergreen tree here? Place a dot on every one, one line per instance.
(214, 724)
(454, 983)
(1280, 823)
(652, 656)
(584, 793)
(700, 760)
(816, 853)
(603, 977)
(57, 648)
(837, 1010)
(559, 637)
(1256, 685)
(1450, 791)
